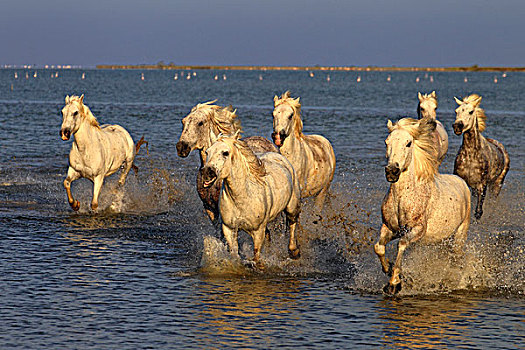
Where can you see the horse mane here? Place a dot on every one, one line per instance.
(247, 158)
(223, 119)
(425, 149)
(296, 107)
(478, 111)
(85, 112)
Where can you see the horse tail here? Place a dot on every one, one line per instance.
(140, 143)
(137, 148)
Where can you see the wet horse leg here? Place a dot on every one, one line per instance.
(385, 236)
(231, 238)
(480, 194)
(293, 249)
(72, 175)
(411, 236)
(258, 239)
(98, 181)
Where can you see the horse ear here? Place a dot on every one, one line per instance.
(286, 94)
(67, 99)
(477, 101)
(82, 99)
(419, 96)
(237, 135)
(297, 100)
(433, 94)
(389, 125)
(458, 101)
(275, 99)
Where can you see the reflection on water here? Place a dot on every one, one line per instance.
(234, 312)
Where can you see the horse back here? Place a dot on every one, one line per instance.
(259, 144)
(500, 160)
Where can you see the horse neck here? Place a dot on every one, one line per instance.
(237, 184)
(292, 142)
(472, 137)
(212, 137)
(85, 135)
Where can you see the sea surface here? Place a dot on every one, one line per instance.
(155, 273)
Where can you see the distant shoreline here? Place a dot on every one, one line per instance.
(474, 68)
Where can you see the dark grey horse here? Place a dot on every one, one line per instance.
(481, 161)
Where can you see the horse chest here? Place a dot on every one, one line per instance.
(471, 166)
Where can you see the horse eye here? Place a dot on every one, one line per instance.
(290, 117)
(226, 153)
(75, 114)
(422, 108)
(471, 112)
(201, 123)
(409, 143)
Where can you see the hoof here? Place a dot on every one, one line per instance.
(294, 254)
(390, 289)
(478, 215)
(75, 205)
(254, 265)
(94, 206)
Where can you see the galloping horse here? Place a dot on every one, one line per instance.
(201, 128)
(426, 108)
(421, 205)
(480, 161)
(97, 151)
(312, 156)
(255, 190)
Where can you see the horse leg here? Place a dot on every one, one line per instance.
(293, 249)
(320, 199)
(258, 239)
(481, 192)
(97, 186)
(127, 167)
(231, 238)
(72, 175)
(385, 236)
(411, 236)
(460, 237)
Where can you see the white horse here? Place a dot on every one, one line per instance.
(312, 156)
(426, 108)
(201, 128)
(254, 191)
(421, 205)
(97, 151)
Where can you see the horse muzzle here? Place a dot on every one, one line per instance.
(392, 173)
(209, 176)
(278, 138)
(65, 134)
(458, 128)
(183, 149)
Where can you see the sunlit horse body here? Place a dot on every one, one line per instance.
(421, 204)
(97, 151)
(426, 108)
(480, 161)
(201, 128)
(255, 190)
(312, 156)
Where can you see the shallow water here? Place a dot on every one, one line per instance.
(156, 274)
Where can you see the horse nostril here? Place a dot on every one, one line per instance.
(182, 149)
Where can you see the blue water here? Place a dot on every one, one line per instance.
(156, 274)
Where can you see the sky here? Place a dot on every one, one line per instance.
(269, 32)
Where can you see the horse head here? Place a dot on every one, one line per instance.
(427, 105)
(202, 126)
(469, 115)
(286, 118)
(72, 114)
(409, 140)
(218, 161)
